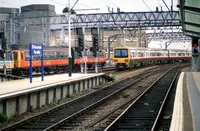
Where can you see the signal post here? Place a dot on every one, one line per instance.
(80, 46)
(195, 54)
(95, 46)
(3, 53)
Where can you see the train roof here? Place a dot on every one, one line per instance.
(152, 49)
(140, 48)
(23, 47)
(125, 47)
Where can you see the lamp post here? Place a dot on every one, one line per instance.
(69, 11)
(70, 54)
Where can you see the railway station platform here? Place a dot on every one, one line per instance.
(186, 113)
(20, 96)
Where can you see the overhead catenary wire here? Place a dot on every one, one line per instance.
(166, 5)
(57, 3)
(146, 5)
(8, 3)
(111, 3)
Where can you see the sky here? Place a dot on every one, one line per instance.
(124, 5)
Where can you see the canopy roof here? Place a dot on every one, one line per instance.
(190, 16)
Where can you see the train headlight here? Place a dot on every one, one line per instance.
(115, 60)
(126, 60)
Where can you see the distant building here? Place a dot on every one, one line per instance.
(5, 15)
(37, 33)
(56, 38)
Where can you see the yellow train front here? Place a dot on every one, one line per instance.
(121, 58)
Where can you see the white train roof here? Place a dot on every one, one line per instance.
(151, 49)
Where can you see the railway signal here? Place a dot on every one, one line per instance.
(3, 44)
(95, 45)
(80, 47)
(195, 47)
(95, 42)
(81, 42)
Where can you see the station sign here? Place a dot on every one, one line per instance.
(36, 50)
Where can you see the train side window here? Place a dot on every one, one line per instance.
(152, 54)
(46, 55)
(158, 54)
(181, 54)
(140, 54)
(173, 54)
(58, 55)
(26, 55)
(147, 53)
(61, 55)
(65, 55)
(132, 54)
(51, 55)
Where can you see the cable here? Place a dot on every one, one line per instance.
(79, 10)
(106, 2)
(111, 3)
(146, 5)
(8, 3)
(159, 2)
(166, 5)
(57, 3)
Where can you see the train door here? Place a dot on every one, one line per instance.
(22, 58)
(16, 56)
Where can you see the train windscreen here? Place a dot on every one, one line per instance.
(15, 55)
(121, 53)
(9, 56)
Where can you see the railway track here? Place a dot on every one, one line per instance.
(144, 112)
(71, 114)
(52, 119)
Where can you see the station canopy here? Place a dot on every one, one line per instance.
(190, 16)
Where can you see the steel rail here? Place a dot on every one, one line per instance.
(133, 103)
(40, 115)
(164, 102)
(54, 126)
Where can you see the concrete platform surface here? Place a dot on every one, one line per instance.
(186, 112)
(24, 84)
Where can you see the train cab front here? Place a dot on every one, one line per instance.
(121, 59)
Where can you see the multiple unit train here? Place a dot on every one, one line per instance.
(126, 57)
(55, 60)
